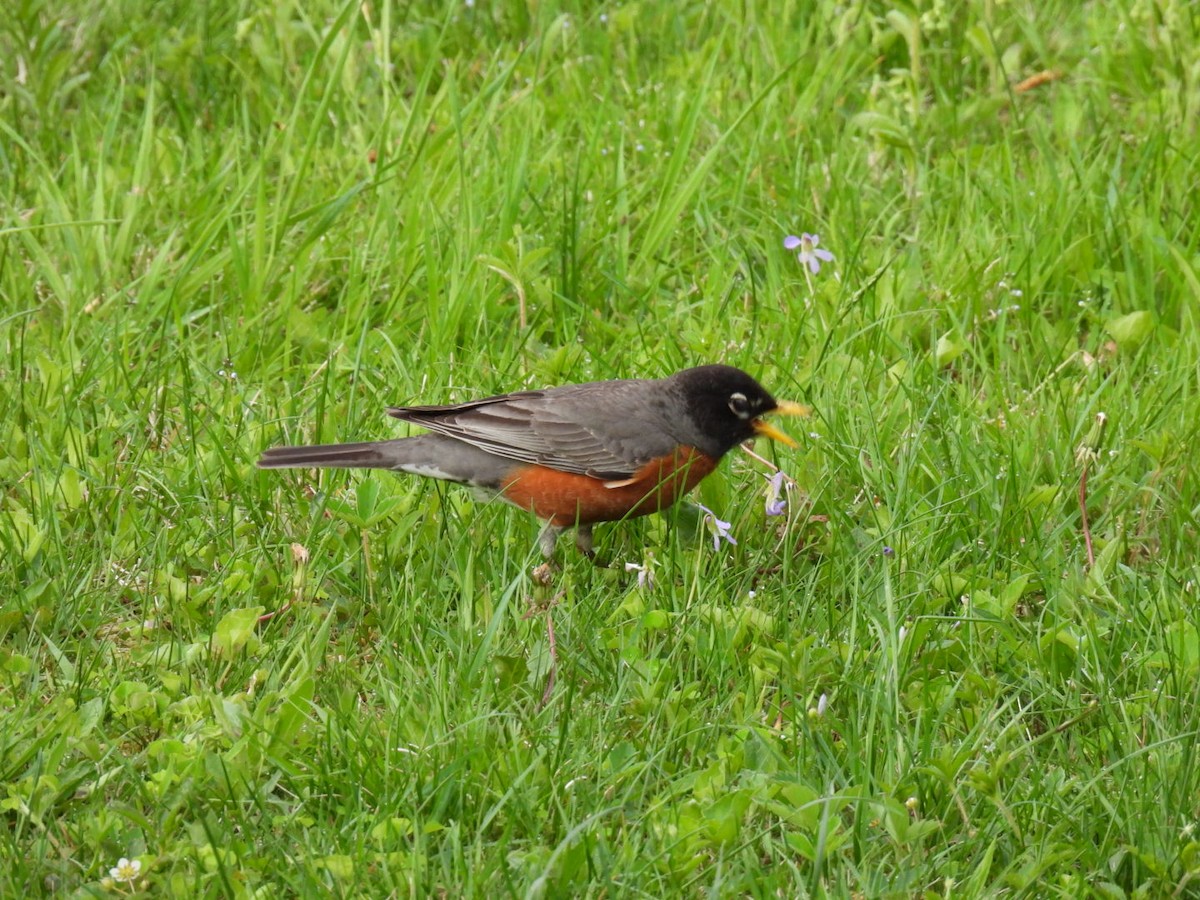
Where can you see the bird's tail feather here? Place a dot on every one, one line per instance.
(430, 455)
(365, 455)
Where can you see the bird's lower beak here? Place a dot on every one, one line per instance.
(782, 408)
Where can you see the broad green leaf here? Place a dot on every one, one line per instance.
(950, 346)
(235, 629)
(1132, 329)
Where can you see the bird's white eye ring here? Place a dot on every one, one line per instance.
(739, 405)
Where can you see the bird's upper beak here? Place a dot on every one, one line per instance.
(782, 408)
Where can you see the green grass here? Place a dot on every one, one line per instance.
(228, 226)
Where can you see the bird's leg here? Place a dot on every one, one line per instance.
(583, 540)
(548, 537)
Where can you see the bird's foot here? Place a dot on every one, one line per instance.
(585, 542)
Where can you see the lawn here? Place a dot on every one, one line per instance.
(964, 662)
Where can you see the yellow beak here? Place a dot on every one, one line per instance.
(782, 408)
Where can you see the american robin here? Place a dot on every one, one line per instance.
(573, 455)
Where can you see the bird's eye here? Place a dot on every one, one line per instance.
(740, 405)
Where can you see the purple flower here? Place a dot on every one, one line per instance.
(809, 255)
(774, 506)
(719, 529)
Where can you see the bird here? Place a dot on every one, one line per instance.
(573, 455)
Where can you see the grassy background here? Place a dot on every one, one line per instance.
(226, 226)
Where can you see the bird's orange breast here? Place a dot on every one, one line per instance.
(565, 498)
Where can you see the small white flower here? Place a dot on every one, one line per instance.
(126, 870)
(815, 712)
(645, 577)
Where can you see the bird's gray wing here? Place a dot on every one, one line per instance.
(607, 430)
